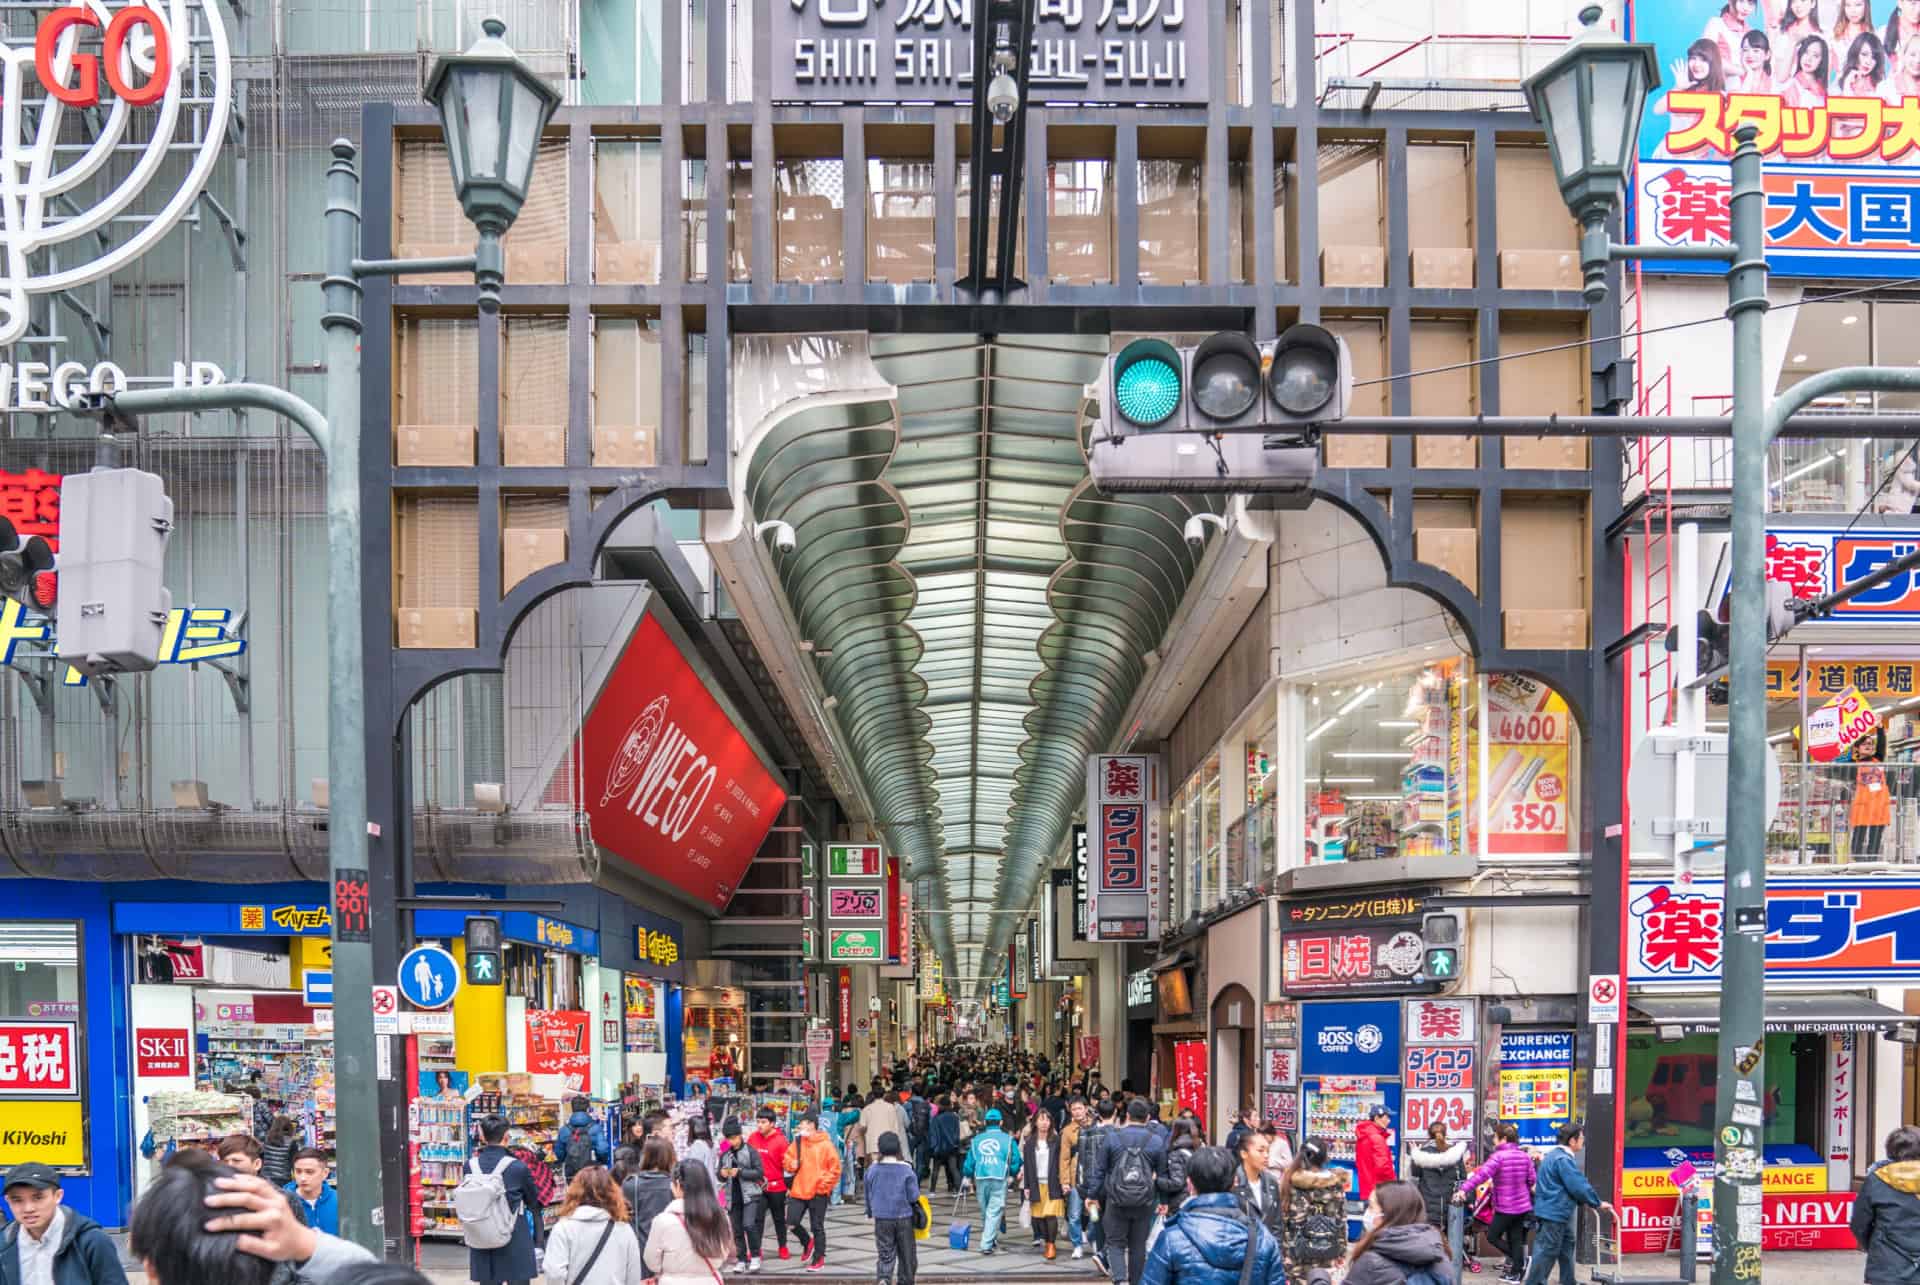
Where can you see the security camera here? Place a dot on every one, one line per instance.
(1196, 529)
(1003, 98)
(783, 537)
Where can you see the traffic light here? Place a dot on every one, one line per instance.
(26, 568)
(1445, 940)
(1226, 415)
(483, 952)
(111, 613)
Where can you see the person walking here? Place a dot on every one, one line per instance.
(700, 1149)
(1257, 1186)
(513, 1262)
(1439, 1167)
(893, 1189)
(1886, 1212)
(745, 1174)
(1313, 1211)
(767, 1139)
(991, 1161)
(1246, 1121)
(1078, 1117)
(1557, 1192)
(649, 1189)
(1125, 1182)
(1209, 1238)
(47, 1243)
(943, 1145)
(1093, 1135)
(1373, 1150)
(583, 1140)
(688, 1239)
(592, 1242)
(319, 1203)
(277, 1149)
(814, 1164)
(849, 1120)
(920, 1128)
(877, 1117)
(1510, 1170)
(1042, 1158)
(1399, 1245)
(1182, 1139)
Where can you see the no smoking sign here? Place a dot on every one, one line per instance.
(1603, 998)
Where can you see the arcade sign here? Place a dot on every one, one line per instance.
(131, 62)
(916, 51)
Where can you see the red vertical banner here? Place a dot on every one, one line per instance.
(896, 927)
(844, 1017)
(1190, 1076)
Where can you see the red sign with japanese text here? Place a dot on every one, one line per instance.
(1435, 1067)
(557, 1044)
(39, 1060)
(671, 784)
(1190, 1076)
(1124, 827)
(1421, 1111)
(1440, 1021)
(1374, 957)
(31, 501)
(844, 1011)
(1649, 1224)
(1852, 930)
(162, 1053)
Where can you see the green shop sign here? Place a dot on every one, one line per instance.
(856, 946)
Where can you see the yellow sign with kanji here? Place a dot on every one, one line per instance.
(1897, 679)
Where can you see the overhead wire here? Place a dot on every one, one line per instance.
(1631, 334)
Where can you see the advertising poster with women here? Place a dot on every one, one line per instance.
(1833, 87)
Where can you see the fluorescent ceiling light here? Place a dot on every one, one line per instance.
(1346, 780)
(1371, 754)
(1400, 722)
(1359, 699)
(1805, 469)
(1376, 797)
(1314, 734)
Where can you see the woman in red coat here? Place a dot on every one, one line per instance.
(1372, 1153)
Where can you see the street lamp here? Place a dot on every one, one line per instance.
(493, 110)
(1590, 99)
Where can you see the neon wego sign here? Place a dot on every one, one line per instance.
(141, 58)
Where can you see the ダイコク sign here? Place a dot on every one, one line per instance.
(1825, 929)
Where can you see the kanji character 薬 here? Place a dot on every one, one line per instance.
(1692, 209)
(1439, 1021)
(1122, 778)
(31, 501)
(1683, 933)
(1803, 208)
(1804, 928)
(1800, 567)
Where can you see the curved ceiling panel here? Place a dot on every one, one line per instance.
(981, 615)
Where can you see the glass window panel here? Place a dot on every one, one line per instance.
(809, 207)
(900, 219)
(626, 210)
(1169, 222)
(39, 964)
(626, 391)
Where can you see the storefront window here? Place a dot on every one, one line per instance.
(39, 969)
(1395, 758)
(1820, 476)
(1176, 857)
(1261, 848)
(1841, 799)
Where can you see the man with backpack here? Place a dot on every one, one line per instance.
(919, 1129)
(1212, 1238)
(1125, 1187)
(583, 1141)
(491, 1202)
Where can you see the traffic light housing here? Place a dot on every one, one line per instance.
(483, 952)
(1444, 936)
(1224, 416)
(27, 569)
(111, 615)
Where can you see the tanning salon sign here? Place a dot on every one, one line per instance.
(1104, 51)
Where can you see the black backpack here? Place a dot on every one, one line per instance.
(579, 1154)
(1319, 1238)
(1131, 1185)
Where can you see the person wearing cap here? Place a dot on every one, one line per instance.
(1373, 1150)
(991, 1160)
(745, 1174)
(49, 1244)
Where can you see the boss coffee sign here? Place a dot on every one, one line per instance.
(1099, 51)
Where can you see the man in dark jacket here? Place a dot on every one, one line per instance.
(45, 1236)
(1126, 1155)
(919, 1128)
(1087, 1145)
(512, 1261)
(1560, 1187)
(1255, 1184)
(1207, 1240)
(892, 1192)
(1886, 1213)
(943, 1146)
(583, 1141)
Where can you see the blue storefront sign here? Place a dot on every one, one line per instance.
(1536, 1083)
(265, 918)
(1359, 1038)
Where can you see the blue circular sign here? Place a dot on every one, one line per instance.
(429, 977)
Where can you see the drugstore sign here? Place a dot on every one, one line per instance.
(1829, 930)
(1816, 561)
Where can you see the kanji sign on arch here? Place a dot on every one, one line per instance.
(1829, 929)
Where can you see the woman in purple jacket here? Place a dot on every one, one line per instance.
(1510, 1169)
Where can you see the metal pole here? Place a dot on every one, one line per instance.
(1736, 1167)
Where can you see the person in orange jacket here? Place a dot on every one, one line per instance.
(814, 1163)
(1372, 1152)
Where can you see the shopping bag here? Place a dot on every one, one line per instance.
(923, 1225)
(1026, 1215)
(1153, 1232)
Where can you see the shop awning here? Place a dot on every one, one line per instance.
(1800, 1013)
(1178, 959)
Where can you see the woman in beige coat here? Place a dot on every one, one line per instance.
(691, 1237)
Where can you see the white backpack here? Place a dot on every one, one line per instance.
(480, 1202)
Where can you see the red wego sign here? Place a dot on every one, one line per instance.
(671, 784)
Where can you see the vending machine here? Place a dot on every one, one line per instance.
(1349, 1064)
